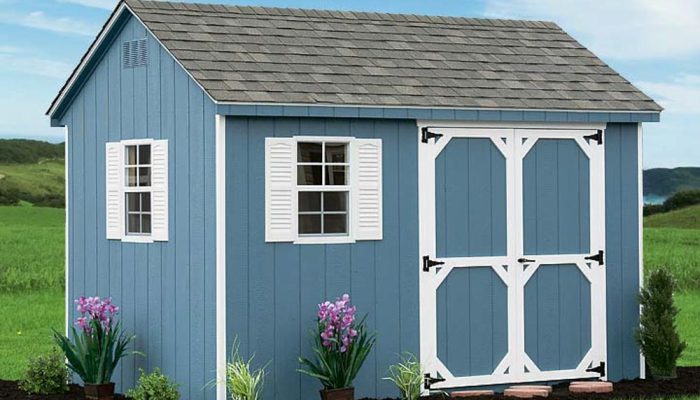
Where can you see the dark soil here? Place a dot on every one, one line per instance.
(10, 391)
(687, 383)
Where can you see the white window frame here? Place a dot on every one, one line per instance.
(349, 188)
(135, 237)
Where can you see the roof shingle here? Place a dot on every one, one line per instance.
(292, 56)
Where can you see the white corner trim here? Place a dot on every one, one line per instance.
(220, 257)
(66, 265)
(640, 189)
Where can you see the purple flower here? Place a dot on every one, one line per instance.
(336, 324)
(95, 309)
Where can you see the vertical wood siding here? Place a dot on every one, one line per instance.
(622, 249)
(166, 289)
(273, 288)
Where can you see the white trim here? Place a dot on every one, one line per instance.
(513, 141)
(66, 189)
(220, 257)
(640, 189)
(511, 125)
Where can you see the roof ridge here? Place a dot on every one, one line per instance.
(343, 14)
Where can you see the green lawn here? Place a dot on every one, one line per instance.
(34, 181)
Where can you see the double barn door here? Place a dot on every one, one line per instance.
(512, 281)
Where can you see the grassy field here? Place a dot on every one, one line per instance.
(39, 183)
(31, 278)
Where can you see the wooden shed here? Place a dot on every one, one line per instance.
(474, 184)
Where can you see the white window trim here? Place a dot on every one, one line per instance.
(349, 187)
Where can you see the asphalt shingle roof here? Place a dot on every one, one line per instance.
(293, 56)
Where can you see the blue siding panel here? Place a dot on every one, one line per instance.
(288, 281)
(166, 289)
(622, 249)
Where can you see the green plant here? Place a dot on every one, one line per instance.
(242, 382)
(657, 334)
(340, 345)
(154, 386)
(46, 374)
(407, 375)
(99, 346)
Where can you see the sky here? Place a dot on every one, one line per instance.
(654, 44)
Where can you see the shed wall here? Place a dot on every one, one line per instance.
(166, 290)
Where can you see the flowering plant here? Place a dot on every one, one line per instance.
(99, 342)
(341, 345)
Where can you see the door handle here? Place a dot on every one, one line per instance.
(525, 260)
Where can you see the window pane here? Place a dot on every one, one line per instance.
(335, 152)
(309, 152)
(335, 223)
(309, 224)
(132, 202)
(133, 223)
(309, 175)
(335, 201)
(146, 202)
(146, 223)
(310, 201)
(131, 155)
(145, 176)
(336, 175)
(145, 154)
(131, 179)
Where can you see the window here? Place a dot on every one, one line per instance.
(322, 186)
(138, 189)
(323, 189)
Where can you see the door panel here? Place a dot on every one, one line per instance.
(557, 317)
(470, 199)
(508, 221)
(556, 196)
(472, 321)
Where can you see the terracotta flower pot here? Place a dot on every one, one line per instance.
(102, 391)
(338, 394)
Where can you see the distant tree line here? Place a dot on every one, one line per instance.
(24, 151)
(680, 199)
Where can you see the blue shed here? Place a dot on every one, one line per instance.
(474, 184)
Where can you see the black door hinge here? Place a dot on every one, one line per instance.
(599, 257)
(426, 135)
(428, 263)
(600, 369)
(428, 381)
(598, 136)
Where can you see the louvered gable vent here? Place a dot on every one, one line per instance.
(135, 53)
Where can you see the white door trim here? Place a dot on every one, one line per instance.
(513, 143)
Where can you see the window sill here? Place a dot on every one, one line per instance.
(137, 239)
(324, 240)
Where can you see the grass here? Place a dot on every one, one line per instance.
(31, 248)
(25, 327)
(676, 249)
(685, 218)
(34, 181)
(689, 305)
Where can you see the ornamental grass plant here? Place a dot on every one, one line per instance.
(341, 345)
(407, 375)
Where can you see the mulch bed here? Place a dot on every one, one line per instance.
(687, 383)
(10, 391)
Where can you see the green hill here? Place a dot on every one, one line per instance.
(686, 218)
(24, 151)
(664, 182)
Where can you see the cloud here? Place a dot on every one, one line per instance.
(619, 29)
(681, 95)
(14, 60)
(39, 20)
(103, 4)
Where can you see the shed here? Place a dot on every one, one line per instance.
(474, 184)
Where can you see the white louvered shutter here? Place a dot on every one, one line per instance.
(114, 186)
(280, 204)
(367, 188)
(159, 187)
